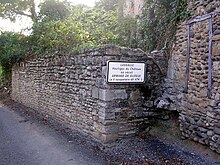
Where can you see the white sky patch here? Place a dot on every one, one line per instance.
(21, 24)
(90, 3)
(24, 23)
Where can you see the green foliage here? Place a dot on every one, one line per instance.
(154, 29)
(84, 28)
(12, 50)
(53, 10)
(158, 22)
(127, 32)
(56, 35)
(179, 11)
(50, 9)
(62, 28)
(99, 26)
(108, 5)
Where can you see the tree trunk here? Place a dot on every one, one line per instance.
(33, 11)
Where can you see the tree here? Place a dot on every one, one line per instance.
(47, 32)
(12, 8)
(84, 28)
(52, 9)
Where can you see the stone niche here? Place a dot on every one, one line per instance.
(73, 90)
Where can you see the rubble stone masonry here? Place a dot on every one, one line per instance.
(199, 114)
(73, 90)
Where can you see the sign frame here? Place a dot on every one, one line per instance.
(126, 62)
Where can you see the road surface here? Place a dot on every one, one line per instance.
(29, 139)
(25, 143)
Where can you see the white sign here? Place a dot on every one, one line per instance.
(125, 72)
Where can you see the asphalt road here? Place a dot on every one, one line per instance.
(27, 138)
(25, 143)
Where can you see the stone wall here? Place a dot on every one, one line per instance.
(73, 90)
(199, 115)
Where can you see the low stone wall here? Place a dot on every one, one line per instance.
(73, 90)
(199, 114)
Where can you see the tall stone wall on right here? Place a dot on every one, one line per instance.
(199, 114)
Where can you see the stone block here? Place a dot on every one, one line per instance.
(125, 127)
(173, 107)
(95, 92)
(68, 114)
(104, 70)
(210, 114)
(217, 97)
(108, 138)
(107, 116)
(111, 129)
(163, 104)
(149, 104)
(212, 103)
(217, 130)
(216, 37)
(204, 92)
(110, 95)
(135, 95)
(128, 133)
(210, 133)
(107, 122)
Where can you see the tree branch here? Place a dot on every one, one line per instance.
(22, 13)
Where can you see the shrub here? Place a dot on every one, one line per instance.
(84, 28)
(12, 50)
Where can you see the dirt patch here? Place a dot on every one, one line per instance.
(5, 88)
(162, 145)
(168, 131)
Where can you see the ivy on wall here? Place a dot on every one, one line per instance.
(157, 25)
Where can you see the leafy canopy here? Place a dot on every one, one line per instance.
(13, 8)
(84, 28)
(53, 9)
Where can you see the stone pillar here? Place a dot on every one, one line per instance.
(119, 110)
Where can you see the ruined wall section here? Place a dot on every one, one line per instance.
(199, 114)
(73, 90)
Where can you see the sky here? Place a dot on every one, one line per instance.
(86, 2)
(24, 23)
